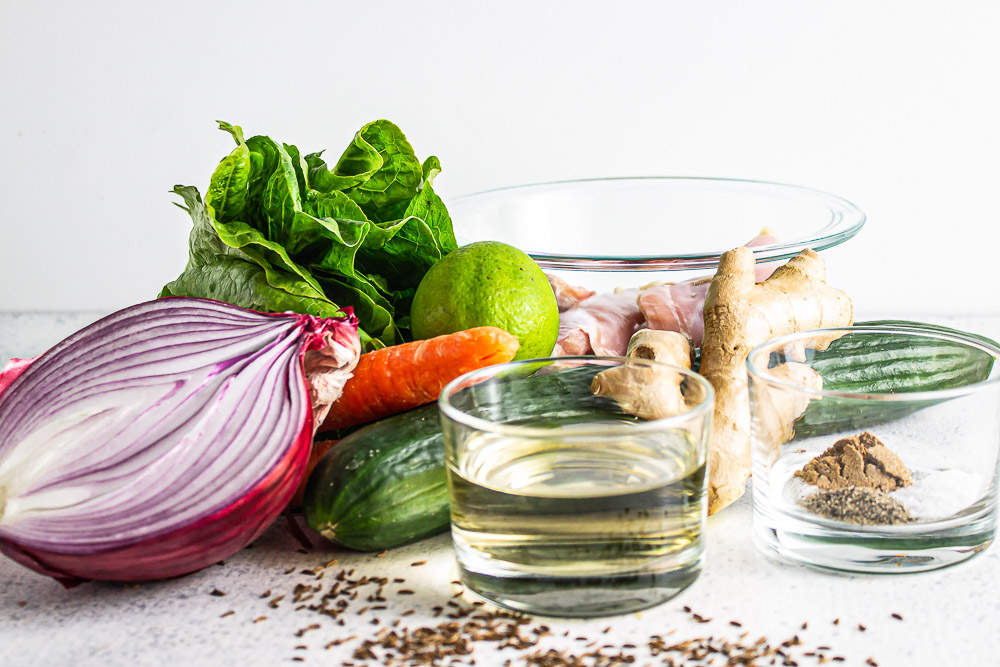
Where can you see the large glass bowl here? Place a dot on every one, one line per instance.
(640, 230)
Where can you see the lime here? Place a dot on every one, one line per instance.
(488, 284)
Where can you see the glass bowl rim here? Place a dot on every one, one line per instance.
(965, 338)
(849, 222)
(445, 408)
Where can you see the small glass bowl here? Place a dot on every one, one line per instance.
(562, 502)
(948, 439)
(625, 232)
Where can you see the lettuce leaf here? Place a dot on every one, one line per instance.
(280, 230)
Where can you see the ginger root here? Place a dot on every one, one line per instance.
(648, 392)
(739, 315)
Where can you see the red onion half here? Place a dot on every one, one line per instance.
(164, 437)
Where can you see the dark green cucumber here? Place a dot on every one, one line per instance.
(881, 363)
(383, 485)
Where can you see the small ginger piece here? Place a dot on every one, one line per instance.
(778, 409)
(860, 460)
(739, 315)
(648, 392)
(668, 347)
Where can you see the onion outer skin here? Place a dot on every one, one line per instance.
(204, 542)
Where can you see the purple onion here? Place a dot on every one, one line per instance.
(162, 438)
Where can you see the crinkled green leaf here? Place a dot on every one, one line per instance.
(281, 199)
(211, 239)
(321, 178)
(327, 243)
(227, 191)
(368, 304)
(264, 158)
(429, 207)
(430, 169)
(382, 147)
(300, 167)
(401, 251)
(244, 283)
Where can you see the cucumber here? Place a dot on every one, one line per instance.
(382, 486)
(386, 484)
(889, 363)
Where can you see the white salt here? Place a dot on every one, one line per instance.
(939, 494)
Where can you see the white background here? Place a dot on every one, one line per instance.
(104, 106)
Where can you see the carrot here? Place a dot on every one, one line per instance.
(401, 377)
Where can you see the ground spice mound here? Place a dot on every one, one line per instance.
(858, 505)
(859, 461)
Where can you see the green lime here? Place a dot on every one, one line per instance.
(488, 284)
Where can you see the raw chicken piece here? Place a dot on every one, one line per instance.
(567, 295)
(601, 325)
(678, 306)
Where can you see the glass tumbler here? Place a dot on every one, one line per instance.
(875, 449)
(563, 503)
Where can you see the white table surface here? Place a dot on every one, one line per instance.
(950, 617)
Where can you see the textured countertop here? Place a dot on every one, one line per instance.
(949, 617)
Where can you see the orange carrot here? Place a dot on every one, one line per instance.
(405, 376)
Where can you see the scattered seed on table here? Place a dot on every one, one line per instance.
(861, 627)
(381, 555)
(404, 591)
(228, 613)
(301, 647)
(736, 624)
(898, 617)
(217, 593)
(805, 625)
(836, 621)
(418, 563)
(259, 619)
(302, 631)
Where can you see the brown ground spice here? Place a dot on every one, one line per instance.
(859, 461)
